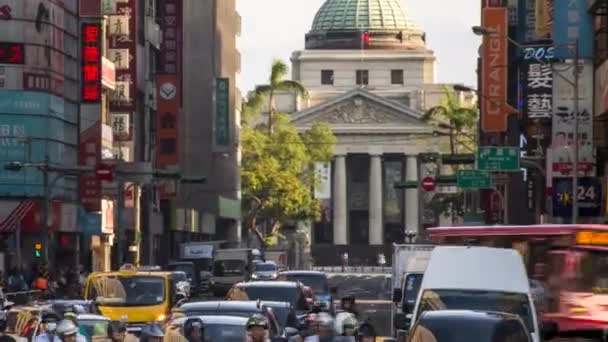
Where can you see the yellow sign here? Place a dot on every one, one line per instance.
(592, 238)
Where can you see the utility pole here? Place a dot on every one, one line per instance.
(44, 214)
(576, 138)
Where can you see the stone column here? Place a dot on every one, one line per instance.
(339, 201)
(375, 200)
(411, 196)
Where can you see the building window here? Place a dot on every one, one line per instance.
(396, 76)
(327, 77)
(362, 77)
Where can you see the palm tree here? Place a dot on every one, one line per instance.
(460, 120)
(278, 83)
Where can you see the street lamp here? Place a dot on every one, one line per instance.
(484, 31)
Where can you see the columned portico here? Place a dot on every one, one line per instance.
(375, 200)
(411, 195)
(339, 201)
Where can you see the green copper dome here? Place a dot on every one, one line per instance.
(358, 15)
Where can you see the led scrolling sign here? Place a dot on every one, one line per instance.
(91, 62)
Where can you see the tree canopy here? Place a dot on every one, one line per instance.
(277, 170)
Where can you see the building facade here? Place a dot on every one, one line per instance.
(371, 77)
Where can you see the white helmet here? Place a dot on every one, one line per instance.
(67, 327)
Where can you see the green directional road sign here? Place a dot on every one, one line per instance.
(473, 179)
(498, 158)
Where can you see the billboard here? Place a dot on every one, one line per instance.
(572, 22)
(563, 140)
(494, 107)
(171, 47)
(589, 195)
(28, 133)
(531, 18)
(167, 120)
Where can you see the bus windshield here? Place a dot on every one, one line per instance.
(119, 290)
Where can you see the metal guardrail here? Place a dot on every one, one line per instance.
(355, 269)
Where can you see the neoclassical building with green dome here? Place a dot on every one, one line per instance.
(371, 77)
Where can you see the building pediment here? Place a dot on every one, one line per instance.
(360, 108)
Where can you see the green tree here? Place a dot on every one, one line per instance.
(460, 120)
(277, 82)
(278, 175)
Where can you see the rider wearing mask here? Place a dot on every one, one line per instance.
(151, 333)
(349, 304)
(326, 328)
(194, 330)
(257, 329)
(117, 331)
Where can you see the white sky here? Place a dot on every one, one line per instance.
(275, 28)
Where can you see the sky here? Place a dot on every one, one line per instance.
(275, 28)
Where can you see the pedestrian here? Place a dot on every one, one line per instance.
(67, 331)
(3, 324)
(366, 333)
(50, 331)
(257, 329)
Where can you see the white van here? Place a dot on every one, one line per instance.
(477, 278)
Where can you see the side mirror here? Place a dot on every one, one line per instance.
(333, 290)
(402, 321)
(397, 295)
(549, 330)
(290, 331)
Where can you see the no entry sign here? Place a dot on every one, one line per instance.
(428, 184)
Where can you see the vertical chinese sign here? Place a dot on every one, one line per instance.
(222, 112)
(494, 107)
(168, 83)
(122, 32)
(91, 63)
(90, 136)
(537, 107)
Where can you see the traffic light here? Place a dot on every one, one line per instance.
(365, 37)
(38, 250)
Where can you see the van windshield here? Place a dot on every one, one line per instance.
(513, 303)
(110, 290)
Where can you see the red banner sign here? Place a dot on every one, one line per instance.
(90, 155)
(167, 120)
(123, 53)
(494, 71)
(91, 63)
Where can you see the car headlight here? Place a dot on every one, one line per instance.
(254, 276)
(161, 318)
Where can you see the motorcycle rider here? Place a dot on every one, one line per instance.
(3, 336)
(49, 334)
(326, 327)
(117, 331)
(194, 330)
(348, 326)
(348, 304)
(151, 332)
(366, 332)
(67, 331)
(257, 328)
(74, 318)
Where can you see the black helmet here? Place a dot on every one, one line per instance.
(366, 330)
(257, 320)
(116, 327)
(191, 324)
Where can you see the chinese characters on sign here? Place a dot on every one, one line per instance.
(12, 53)
(121, 126)
(122, 52)
(222, 112)
(563, 122)
(539, 91)
(91, 63)
(170, 58)
(167, 120)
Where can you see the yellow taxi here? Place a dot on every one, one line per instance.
(132, 295)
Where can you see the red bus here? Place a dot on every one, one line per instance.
(567, 265)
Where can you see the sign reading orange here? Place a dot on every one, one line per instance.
(494, 107)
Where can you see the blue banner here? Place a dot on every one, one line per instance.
(571, 22)
(34, 126)
(589, 195)
(89, 223)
